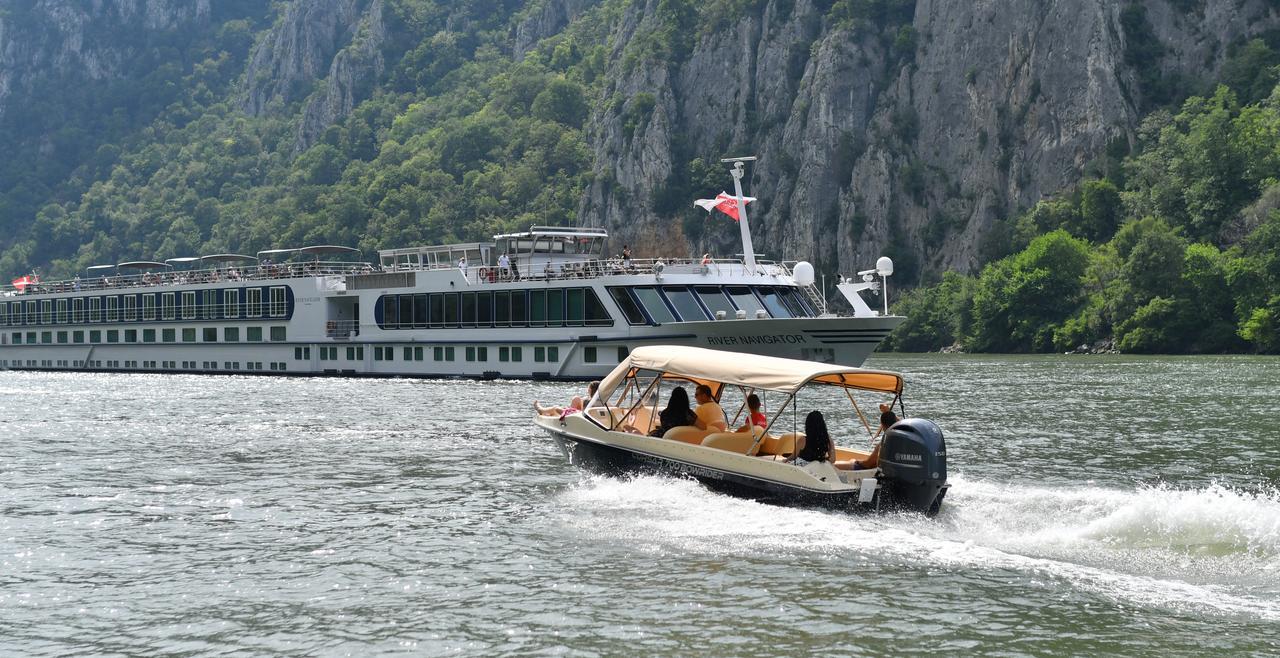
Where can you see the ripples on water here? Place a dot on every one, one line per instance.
(1099, 505)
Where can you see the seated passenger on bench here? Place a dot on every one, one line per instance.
(887, 419)
(755, 417)
(710, 417)
(676, 413)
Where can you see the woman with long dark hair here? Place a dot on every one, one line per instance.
(817, 440)
(676, 413)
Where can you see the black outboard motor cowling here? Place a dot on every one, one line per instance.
(913, 461)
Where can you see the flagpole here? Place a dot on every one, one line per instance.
(748, 252)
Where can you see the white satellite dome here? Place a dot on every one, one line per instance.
(803, 273)
(884, 266)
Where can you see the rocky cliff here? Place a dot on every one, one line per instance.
(913, 138)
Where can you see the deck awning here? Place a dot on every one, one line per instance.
(316, 250)
(271, 253)
(760, 372)
(183, 260)
(227, 258)
(98, 269)
(141, 265)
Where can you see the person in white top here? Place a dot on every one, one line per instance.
(504, 266)
(462, 265)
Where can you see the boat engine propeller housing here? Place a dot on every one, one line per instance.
(913, 460)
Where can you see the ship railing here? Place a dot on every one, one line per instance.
(594, 269)
(220, 275)
(341, 329)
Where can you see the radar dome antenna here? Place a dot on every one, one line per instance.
(748, 253)
(884, 267)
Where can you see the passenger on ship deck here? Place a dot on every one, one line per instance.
(710, 415)
(676, 413)
(626, 256)
(754, 417)
(576, 405)
(515, 270)
(504, 266)
(462, 265)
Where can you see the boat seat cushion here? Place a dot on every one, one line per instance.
(686, 433)
(739, 442)
(782, 445)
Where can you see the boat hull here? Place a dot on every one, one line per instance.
(606, 459)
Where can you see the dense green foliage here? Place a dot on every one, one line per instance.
(1184, 259)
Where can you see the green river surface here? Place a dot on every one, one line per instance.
(1099, 505)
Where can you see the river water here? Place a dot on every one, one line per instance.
(1100, 505)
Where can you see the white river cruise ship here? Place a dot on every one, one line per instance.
(543, 303)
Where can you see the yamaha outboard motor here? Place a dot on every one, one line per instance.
(913, 460)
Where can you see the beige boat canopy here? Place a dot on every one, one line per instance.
(716, 368)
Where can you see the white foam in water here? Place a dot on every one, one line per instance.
(1159, 546)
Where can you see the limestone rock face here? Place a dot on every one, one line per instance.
(913, 139)
(62, 38)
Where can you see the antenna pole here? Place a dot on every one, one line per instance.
(748, 252)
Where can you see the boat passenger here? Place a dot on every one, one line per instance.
(710, 415)
(815, 445)
(887, 420)
(754, 417)
(576, 405)
(504, 266)
(676, 413)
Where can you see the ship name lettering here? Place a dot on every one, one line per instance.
(766, 339)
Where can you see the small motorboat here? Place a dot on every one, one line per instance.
(615, 434)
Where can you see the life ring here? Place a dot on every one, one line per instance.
(483, 274)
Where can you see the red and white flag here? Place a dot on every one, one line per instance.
(725, 203)
(22, 282)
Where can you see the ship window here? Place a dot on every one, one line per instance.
(148, 335)
(713, 298)
(31, 314)
(555, 307)
(62, 311)
(553, 354)
(437, 309)
(622, 297)
(448, 353)
(188, 305)
(279, 334)
(62, 336)
(130, 307)
(484, 309)
(46, 337)
(502, 308)
(390, 312)
(471, 353)
(589, 355)
(253, 334)
(210, 334)
(112, 303)
(231, 303)
(482, 353)
(539, 354)
(167, 301)
(537, 308)
(417, 354)
(253, 302)
(785, 296)
(77, 336)
(15, 312)
(77, 311)
(518, 308)
(575, 312)
(419, 311)
(209, 309)
(597, 314)
(504, 353)
(148, 307)
(745, 300)
(46, 312)
(4, 313)
(773, 302)
(685, 303)
(468, 309)
(31, 337)
(451, 309)
(652, 302)
(437, 353)
(406, 311)
(188, 334)
(168, 335)
(278, 305)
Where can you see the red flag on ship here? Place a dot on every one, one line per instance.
(725, 203)
(22, 282)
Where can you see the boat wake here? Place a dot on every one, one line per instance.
(1215, 550)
